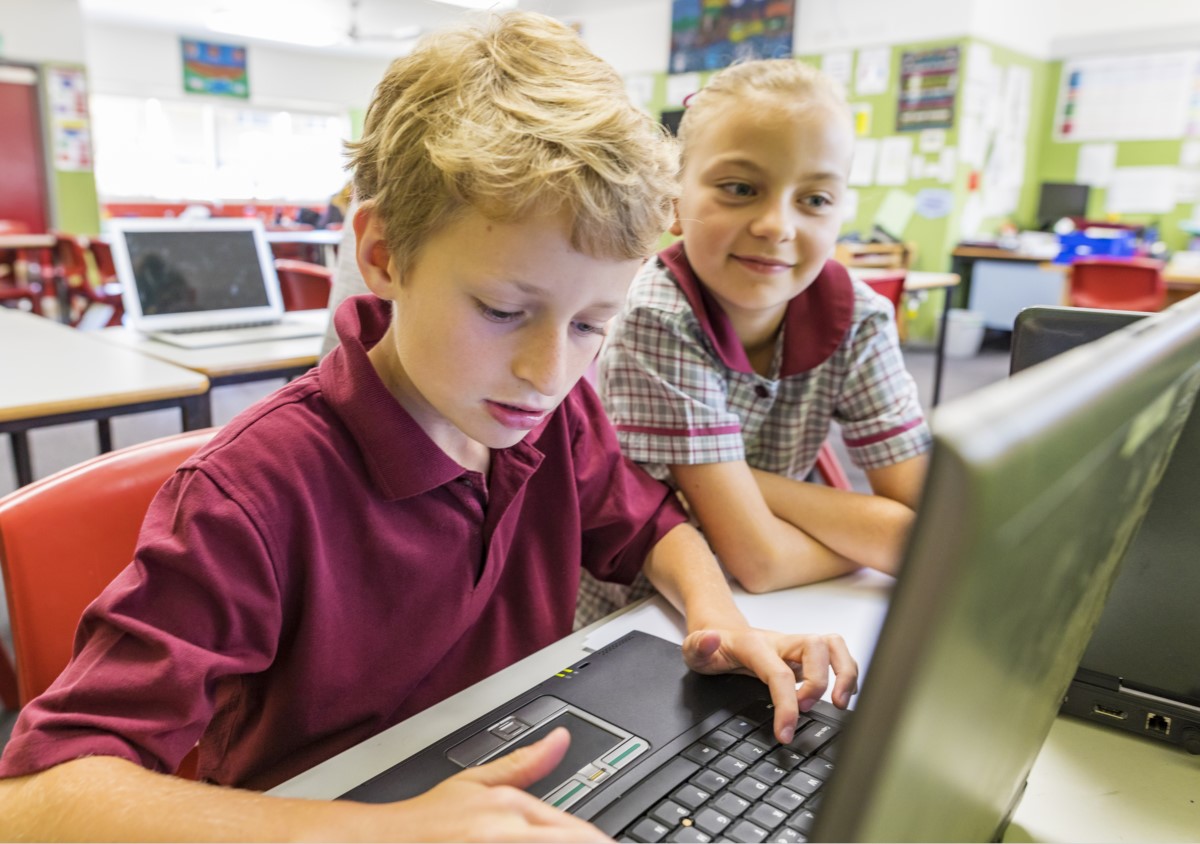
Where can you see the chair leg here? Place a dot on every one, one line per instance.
(8, 682)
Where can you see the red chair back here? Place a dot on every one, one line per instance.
(65, 537)
(830, 469)
(71, 269)
(305, 285)
(1128, 284)
(890, 286)
(102, 255)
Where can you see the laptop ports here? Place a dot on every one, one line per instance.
(1109, 712)
(1160, 724)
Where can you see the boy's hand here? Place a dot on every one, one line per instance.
(781, 661)
(487, 804)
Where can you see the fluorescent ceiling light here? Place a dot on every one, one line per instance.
(480, 4)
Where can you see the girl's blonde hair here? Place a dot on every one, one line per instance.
(778, 82)
(512, 116)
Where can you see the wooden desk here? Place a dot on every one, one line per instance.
(233, 364)
(1088, 783)
(52, 374)
(1182, 275)
(916, 280)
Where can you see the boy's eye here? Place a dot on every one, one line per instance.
(590, 329)
(496, 315)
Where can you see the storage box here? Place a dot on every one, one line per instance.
(1095, 243)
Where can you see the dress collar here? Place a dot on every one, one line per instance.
(814, 324)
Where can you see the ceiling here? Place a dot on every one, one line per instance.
(362, 27)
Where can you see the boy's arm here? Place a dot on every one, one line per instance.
(683, 569)
(103, 798)
(771, 532)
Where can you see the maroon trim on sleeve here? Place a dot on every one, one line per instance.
(885, 435)
(680, 432)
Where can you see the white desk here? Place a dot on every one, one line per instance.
(51, 374)
(1089, 784)
(327, 239)
(237, 363)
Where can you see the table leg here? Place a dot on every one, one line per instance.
(197, 412)
(104, 429)
(21, 459)
(940, 357)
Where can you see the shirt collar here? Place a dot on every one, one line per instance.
(400, 458)
(814, 324)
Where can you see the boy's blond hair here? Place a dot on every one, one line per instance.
(778, 82)
(509, 116)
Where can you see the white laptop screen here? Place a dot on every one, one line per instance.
(187, 271)
(195, 274)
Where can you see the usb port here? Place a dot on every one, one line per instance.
(1158, 723)
(1109, 712)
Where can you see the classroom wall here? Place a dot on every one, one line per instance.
(146, 62)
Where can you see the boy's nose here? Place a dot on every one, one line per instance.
(541, 361)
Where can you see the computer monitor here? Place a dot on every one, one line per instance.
(1061, 199)
(1035, 489)
(1141, 670)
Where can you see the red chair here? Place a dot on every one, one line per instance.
(1123, 284)
(305, 285)
(890, 286)
(62, 540)
(830, 469)
(75, 288)
(103, 259)
(14, 286)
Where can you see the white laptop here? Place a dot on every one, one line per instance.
(201, 283)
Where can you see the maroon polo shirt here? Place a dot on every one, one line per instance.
(322, 570)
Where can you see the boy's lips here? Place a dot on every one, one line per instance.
(517, 416)
(763, 265)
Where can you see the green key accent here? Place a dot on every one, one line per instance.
(626, 752)
(568, 795)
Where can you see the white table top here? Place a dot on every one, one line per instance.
(324, 237)
(26, 241)
(224, 361)
(1089, 783)
(47, 368)
(913, 279)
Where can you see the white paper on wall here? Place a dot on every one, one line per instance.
(1142, 190)
(862, 168)
(1096, 164)
(895, 152)
(679, 85)
(874, 71)
(838, 66)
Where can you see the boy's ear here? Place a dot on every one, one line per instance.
(676, 229)
(374, 258)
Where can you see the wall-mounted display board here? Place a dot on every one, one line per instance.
(1144, 97)
(214, 69)
(710, 34)
(928, 82)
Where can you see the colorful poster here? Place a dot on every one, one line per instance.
(928, 83)
(710, 34)
(214, 69)
(69, 123)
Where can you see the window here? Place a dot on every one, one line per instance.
(178, 150)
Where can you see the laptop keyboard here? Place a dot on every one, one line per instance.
(737, 783)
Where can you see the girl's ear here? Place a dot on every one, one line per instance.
(374, 258)
(676, 228)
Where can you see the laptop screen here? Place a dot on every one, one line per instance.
(180, 274)
(186, 271)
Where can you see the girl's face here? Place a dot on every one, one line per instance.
(762, 201)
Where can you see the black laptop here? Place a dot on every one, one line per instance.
(1036, 486)
(1141, 669)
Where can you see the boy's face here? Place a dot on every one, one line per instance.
(762, 203)
(494, 324)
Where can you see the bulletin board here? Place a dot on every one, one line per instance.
(1144, 97)
(214, 69)
(711, 34)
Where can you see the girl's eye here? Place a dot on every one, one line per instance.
(496, 315)
(817, 201)
(738, 189)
